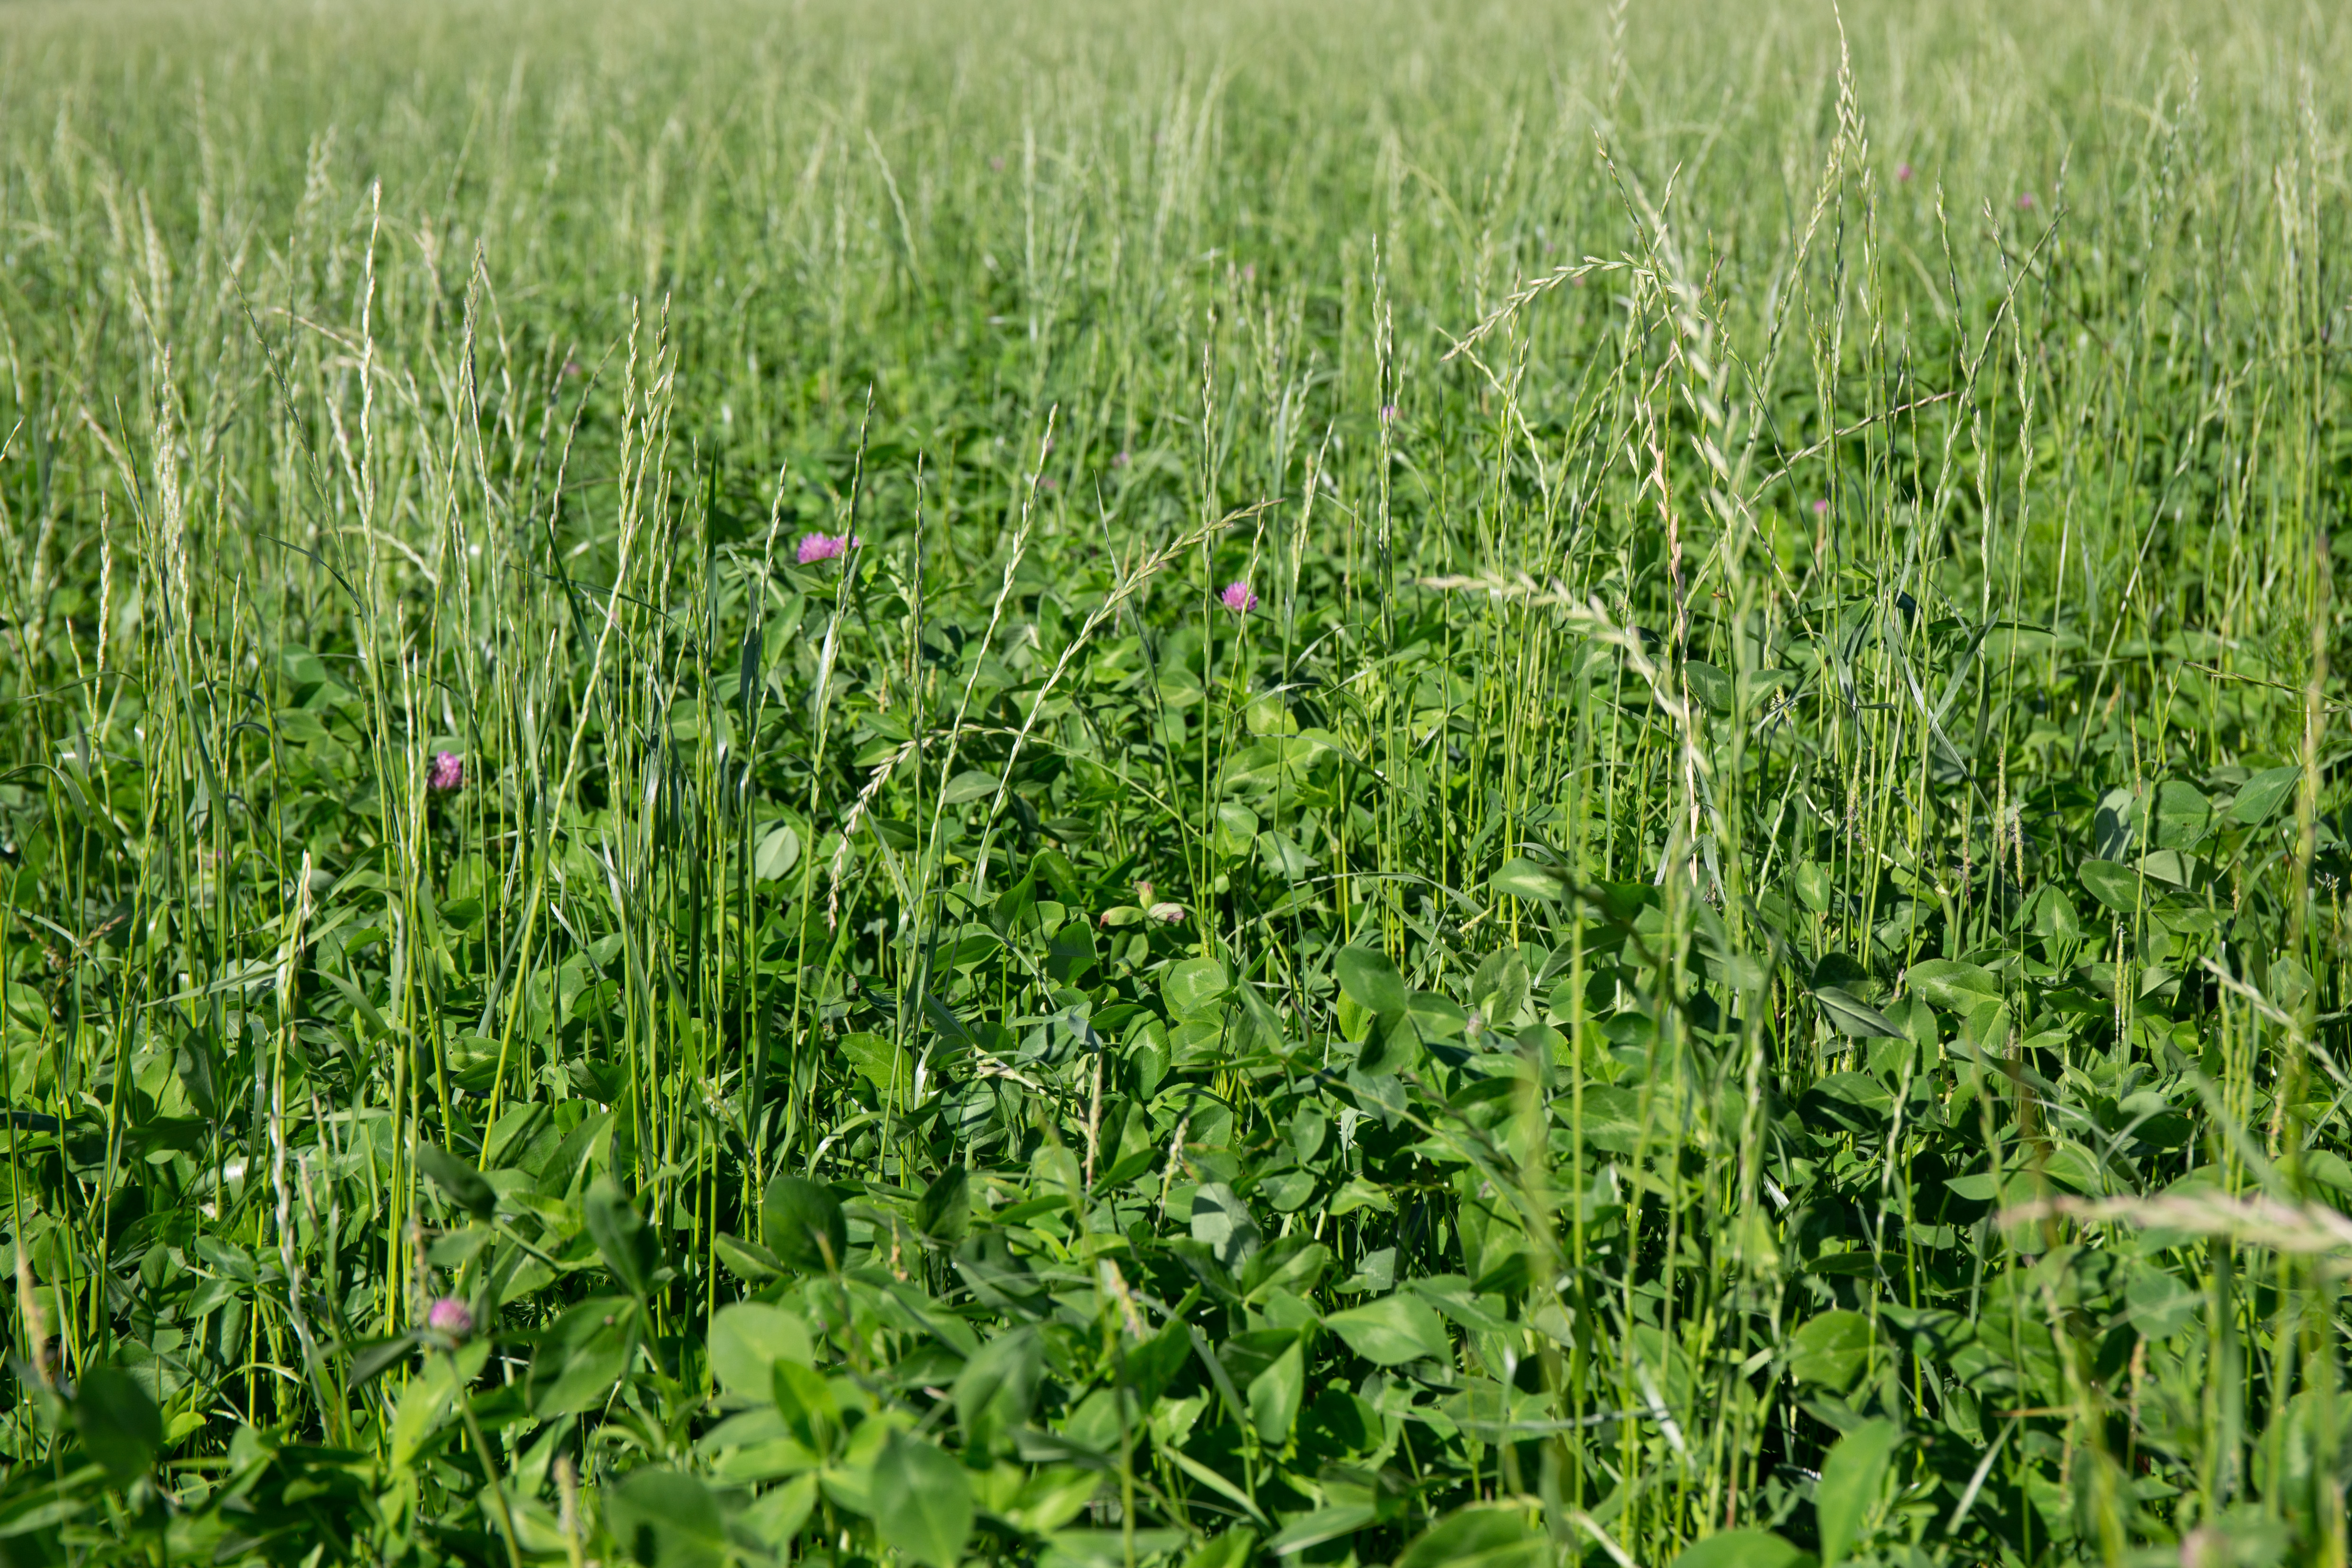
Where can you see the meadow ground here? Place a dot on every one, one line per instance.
(1175, 784)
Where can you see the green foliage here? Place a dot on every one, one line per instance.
(1132, 785)
(922, 1502)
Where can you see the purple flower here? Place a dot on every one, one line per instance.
(1388, 413)
(450, 1316)
(2025, 202)
(1821, 505)
(1118, 460)
(815, 547)
(1238, 598)
(1903, 173)
(448, 772)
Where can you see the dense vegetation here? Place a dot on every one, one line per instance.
(1198, 783)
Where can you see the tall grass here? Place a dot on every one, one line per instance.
(1732, 951)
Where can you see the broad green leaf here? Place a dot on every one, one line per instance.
(1282, 855)
(2115, 825)
(1851, 1015)
(751, 1261)
(2054, 915)
(2264, 794)
(1950, 984)
(1152, 1366)
(1051, 1497)
(1847, 1500)
(805, 1401)
(464, 1185)
(1221, 1223)
(746, 1342)
(2160, 1305)
(1436, 1017)
(803, 1225)
(1501, 987)
(1300, 1532)
(779, 852)
(967, 786)
(1483, 1535)
(628, 1245)
(1523, 879)
(1392, 1331)
(1308, 1127)
(1831, 1349)
(2182, 815)
(1742, 1549)
(1230, 1550)
(922, 1504)
(1194, 985)
(889, 1067)
(777, 1516)
(581, 1355)
(994, 1391)
(1369, 980)
(2117, 886)
(1274, 1393)
(945, 1208)
(120, 1425)
(1392, 1045)
(425, 1406)
(667, 1519)
(1710, 685)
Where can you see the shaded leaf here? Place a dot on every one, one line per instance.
(120, 1425)
(994, 1391)
(944, 1211)
(803, 1225)
(628, 1245)
(1221, 1223)
(667, 1519)
(1274, 1393)
(464, 1186)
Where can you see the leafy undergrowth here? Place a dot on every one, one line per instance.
(1171, 787)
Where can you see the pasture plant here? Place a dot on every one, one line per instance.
(1163, 784)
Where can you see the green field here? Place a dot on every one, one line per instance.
(1225, 783)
